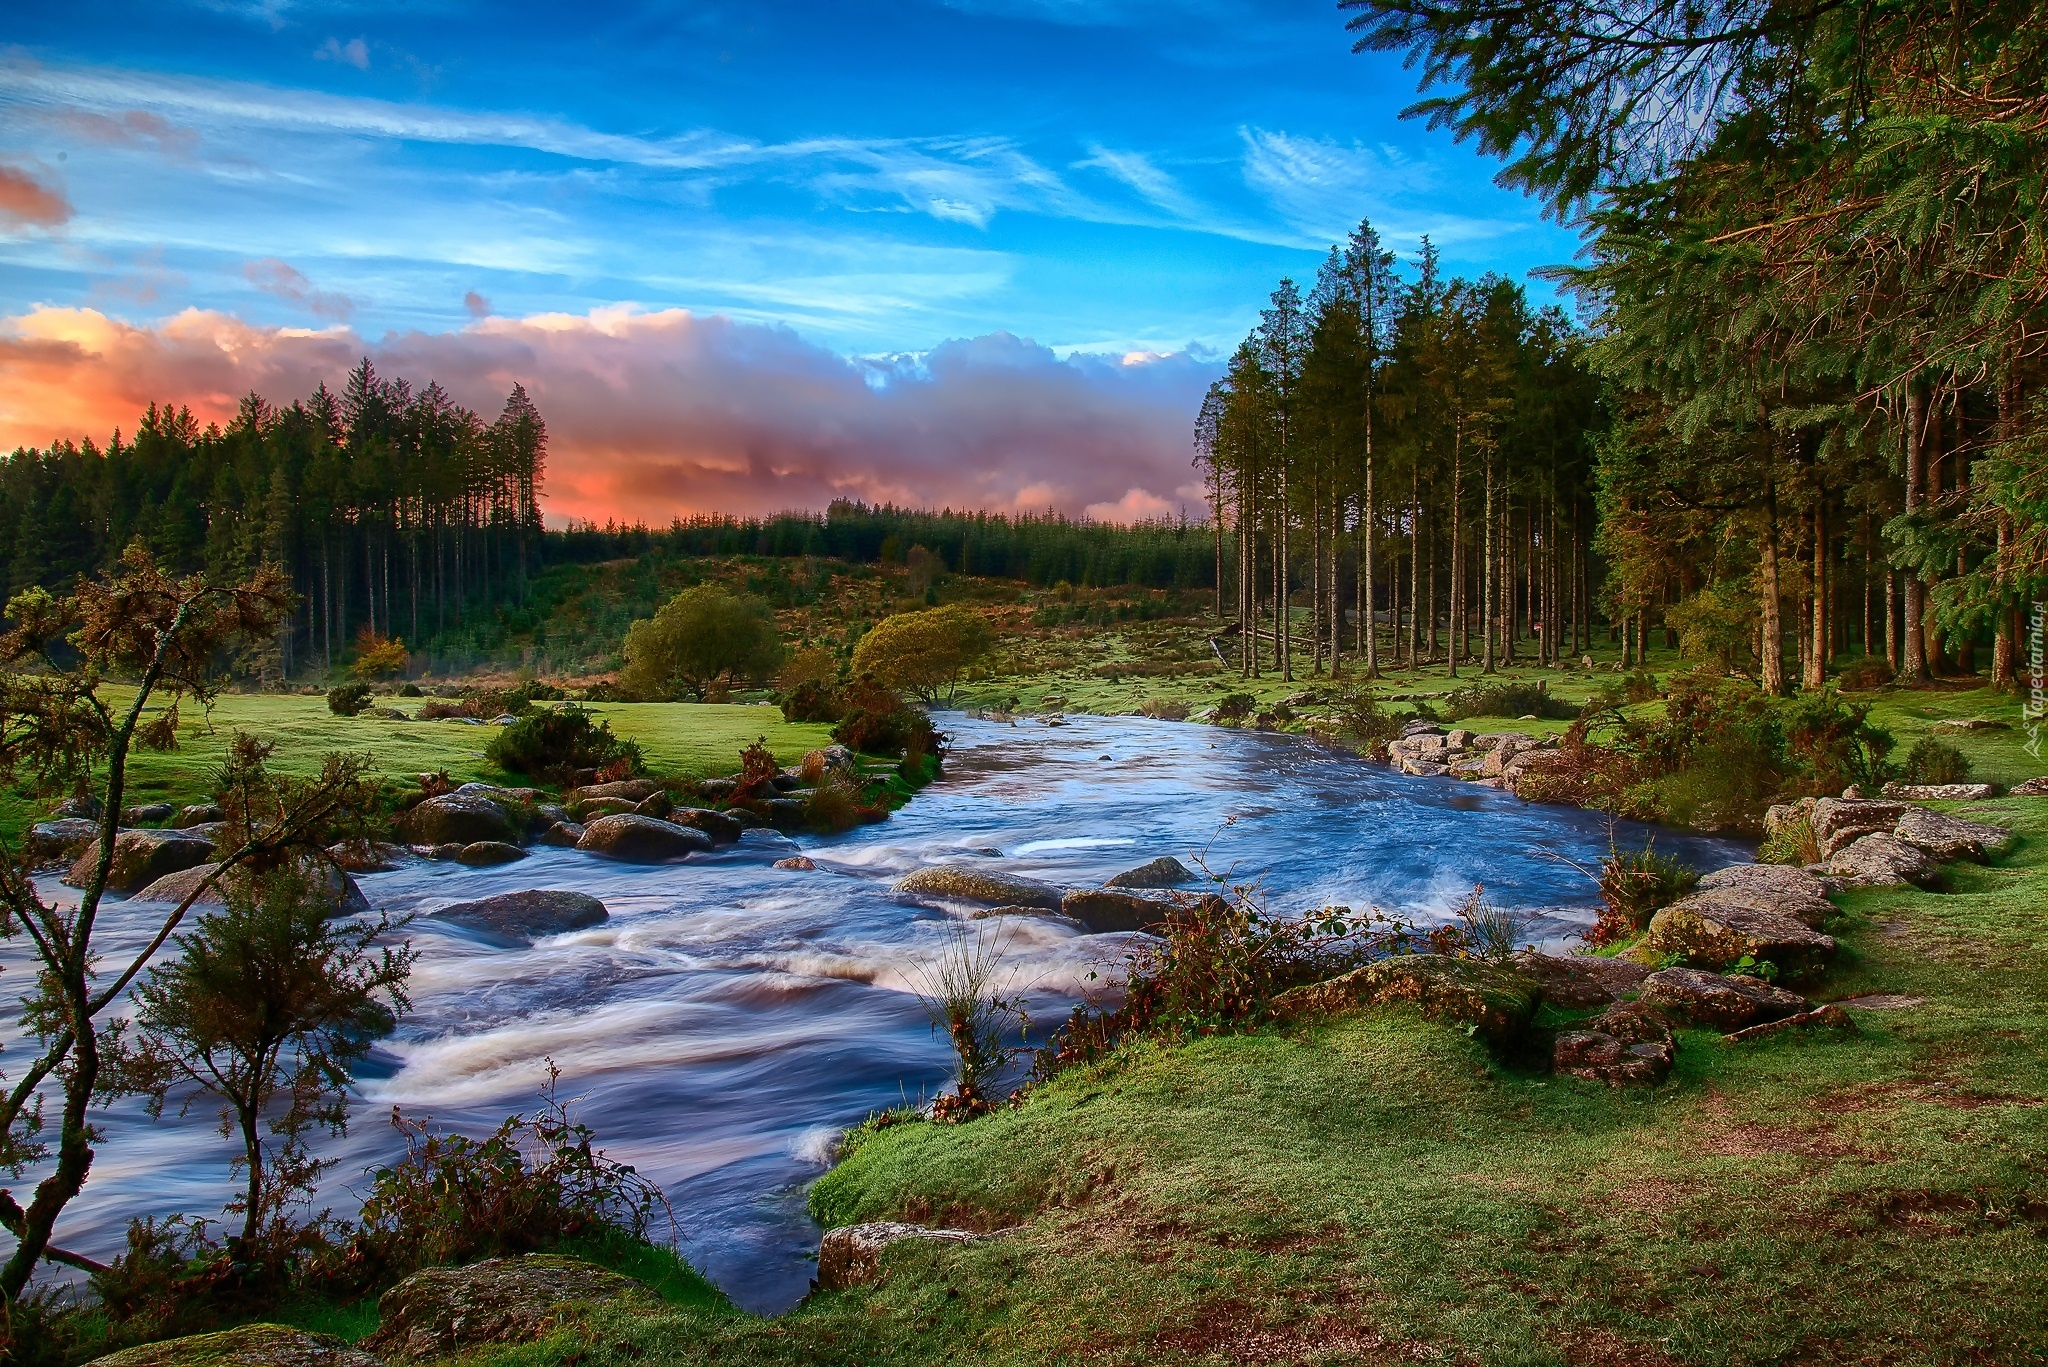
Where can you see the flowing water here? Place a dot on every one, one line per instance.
(730, 1018)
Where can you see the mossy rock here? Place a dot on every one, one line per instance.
(250, 1345)
(1496, 1001)
(1720, 928)
(967, 883)
(444, 1310)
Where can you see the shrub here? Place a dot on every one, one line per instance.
(1235, 707)
(1836, 742)
(877, 721)
(377, 656)
(924, 652)
(409, 690)
(1164, 709)
(1717, 626)
(812, 701)
(1506, 699)
(1872, 671)
(1493, 932)
(965, 993)
(1935, 761)
(556, 745)
(1635, 885)
(1362, 720)
(835, 803)
(807, 665)
(1793, 842)
(697, 643)
(349, 699)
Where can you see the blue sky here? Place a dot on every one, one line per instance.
(880, 177)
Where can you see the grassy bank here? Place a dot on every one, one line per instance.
(688, 740)
(1379, 1189)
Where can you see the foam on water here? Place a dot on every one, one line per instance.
(730, 1019)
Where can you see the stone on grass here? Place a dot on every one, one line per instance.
(84, 806)
(485, 854)
(968, 883)
(519, 918)
(1882, 1001)
(142, 857)
(1948, 838)
(174, 888)
(1836, 823)
(444, 1310)
(1719, 927)
(1781, 887)
(1939, 792)
(851, 1255)
(1627, 1044)
(1104, 911)
(1163, 872)
(1724, 1002)
(2033, 787)
(459, 819)
(1969, 724)
(148, 814)
(1568, 981)
(1493, 999)
(641, 839)
(1883, 861)
(248, 1345)
(1828, 1017)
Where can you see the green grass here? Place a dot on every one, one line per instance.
(690, 740)
(1379, 1189)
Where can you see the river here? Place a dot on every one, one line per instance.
(730, 1018)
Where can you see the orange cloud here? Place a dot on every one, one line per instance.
(132, 128)
(26, 200)
(284, 280)
(657, 415)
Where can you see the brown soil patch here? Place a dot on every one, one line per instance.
(1649, 1194)
(1932, 1091)
(1239, 1332)
(1605, 1348)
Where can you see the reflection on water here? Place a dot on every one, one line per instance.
(730, 1017)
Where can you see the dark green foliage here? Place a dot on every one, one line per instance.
(1935, 761)
(1836, 743)
(349, 699)
(1235, 707)
(1506, 700)
(1634, 886)
(877, 721)
(812, 701)
(556, 745)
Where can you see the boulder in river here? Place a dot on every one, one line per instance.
(444, 1310)
(635, 839)
(564, 833)
(519, 918)
(626, 789)
(460, 819)
(1102, 911)
(968, 883)
(851, 1255)
(367, 856)
(247, 1345)
(1723, 1002)
(142, 857)
(1494, 1000)
(1948, 838)
(1163, 872)
(485, 854)
(1719, 927)
(1881, 860)
(797, 863)
(720, 827)
(62, 839)
(174, 888)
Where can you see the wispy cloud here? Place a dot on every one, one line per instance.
(28, 198)
(286, 282)
(1321, 187)
(129, 128)
(1138, 171)
(355, 52)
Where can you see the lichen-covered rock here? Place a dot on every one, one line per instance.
(1777, 887)
(444, 1310)
(1780, 815)
(1573, 982)
(1163, 872)
(521, 917)
(460, 819)
(1948, 838)
(174, 888)
(1724, 1002)
(142, 857)
(1883, 861)
(1939, 792)
(1719, 927)
(62, 839)
(1494, 999)
(248, 1345)
(563, 833)
(591, 808)
(366, 856)
(851, 1255)
(148, 814)
(2033, 787)
(970, 883)
(641, 839)
(1627, 1044)
(486, 854)
(1838, 822)
(797, 863)
(626, 789)
(1104, 911)
(83, 806)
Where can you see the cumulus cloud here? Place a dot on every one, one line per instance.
(282, 279)
(25, 200)
(655, 415)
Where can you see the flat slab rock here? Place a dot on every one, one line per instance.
(1494, 1000)
(1719, 927)
(1939, 792)
(1948, 838)
(517, 918)
(1725, 1002)
(248, 1345)
(1577, 981)
(851, 1255)
(968, 883)
(1880, 860)
(501, 1300)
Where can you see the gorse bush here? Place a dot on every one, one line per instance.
(1935, 761)
(876, 720)
(561, 745)
(1506, 700)
(348, 700)
(1235, 707)
(1835, 741)
(1634, 886)
(812, 700)
(1792, 842)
